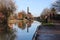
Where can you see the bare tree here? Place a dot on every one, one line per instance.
(45, 12)
(56, 5)
(7, 7)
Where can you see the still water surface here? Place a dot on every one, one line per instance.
(21, 31)
(27, 33)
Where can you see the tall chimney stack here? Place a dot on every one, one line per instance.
(27, 10)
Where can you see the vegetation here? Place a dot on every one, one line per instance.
(7, 7)
(49, 24)
(7, 10)
(47, 16)
(56, 5)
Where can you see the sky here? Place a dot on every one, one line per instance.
(35, 6)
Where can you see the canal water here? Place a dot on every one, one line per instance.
(26, 33)
(21, 31)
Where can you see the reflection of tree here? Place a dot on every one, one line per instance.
(8, 35)
(10, 25)
(21, 24)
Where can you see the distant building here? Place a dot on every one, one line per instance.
(29, 15)
(21, 15)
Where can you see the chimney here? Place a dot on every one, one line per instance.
(27, 10)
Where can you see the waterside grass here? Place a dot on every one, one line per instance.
(48, 24)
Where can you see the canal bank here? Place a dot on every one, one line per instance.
(47, 33)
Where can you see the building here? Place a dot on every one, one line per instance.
(29, 15)
(21, 15)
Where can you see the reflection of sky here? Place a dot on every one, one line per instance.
(24, 35)
(36, 6)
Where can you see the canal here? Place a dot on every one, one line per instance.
(31, 30)
(21, 31)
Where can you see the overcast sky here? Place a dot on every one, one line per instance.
(35, 6)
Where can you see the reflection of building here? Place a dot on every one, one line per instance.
(21, 24)
(29, 25)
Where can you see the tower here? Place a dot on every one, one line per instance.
(27, 10)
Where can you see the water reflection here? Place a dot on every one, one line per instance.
(29, 30)
(20, 30)
(29, 25)
(22, 25)
(8, 35)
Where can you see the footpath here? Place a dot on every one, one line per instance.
(47, 32)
